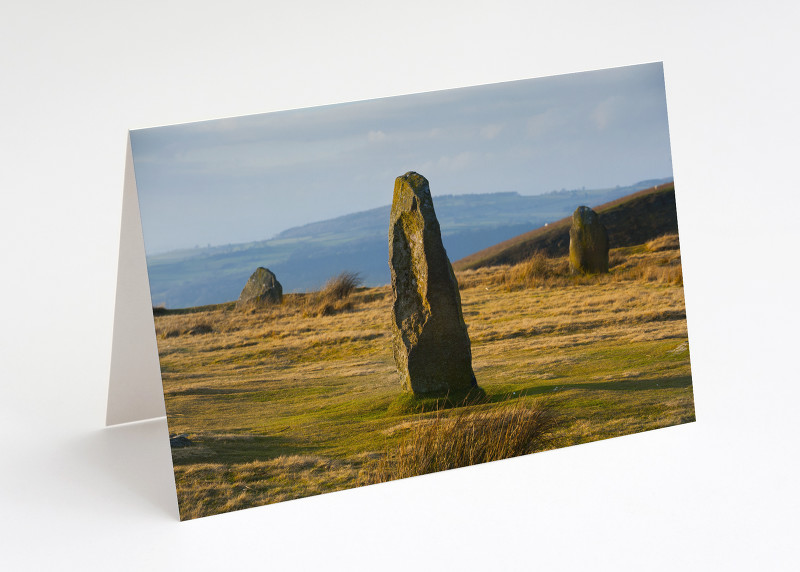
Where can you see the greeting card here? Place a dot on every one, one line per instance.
(339, 296)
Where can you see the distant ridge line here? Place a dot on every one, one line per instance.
(305, 257)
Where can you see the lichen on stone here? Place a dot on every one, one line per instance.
(430, 342)
(588, 243)
(262, 288)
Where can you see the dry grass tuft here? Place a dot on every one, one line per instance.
(341, 286)
(211, 488)
(187, 327)
(281, 403)
(662, 274)
(662, 266)
(334, 296)
(665, 242)
(538, 270)
(469, 437)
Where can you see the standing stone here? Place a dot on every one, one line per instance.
(429, 337)
(262, 288)
(588, 243)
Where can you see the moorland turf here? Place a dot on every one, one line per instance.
(288, 401)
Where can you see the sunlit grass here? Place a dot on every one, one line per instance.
(281, 403)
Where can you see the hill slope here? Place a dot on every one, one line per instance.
(633, 219)
(304, 257)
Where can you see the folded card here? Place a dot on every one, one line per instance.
(361, 292)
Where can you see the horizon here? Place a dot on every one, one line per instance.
(247, 179)
(276, 235)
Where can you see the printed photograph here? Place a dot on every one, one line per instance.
(361, 292)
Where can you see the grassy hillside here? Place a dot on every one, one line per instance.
(294, 400)
(304, 257)
(633, 219)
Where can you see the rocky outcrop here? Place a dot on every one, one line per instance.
(429, 337)
(261, 289)
(588, 243)
(179, 441)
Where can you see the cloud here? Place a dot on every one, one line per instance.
(492, 130)
(450, 163)
(529, 134)
(541, 124)
(605, 112)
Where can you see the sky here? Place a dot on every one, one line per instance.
(248, 178)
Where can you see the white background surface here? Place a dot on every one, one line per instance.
(717, 494)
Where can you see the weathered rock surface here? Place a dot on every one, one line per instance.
(261, 288)
(429, 337)
(588, 242)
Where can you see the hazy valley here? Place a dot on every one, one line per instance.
(305, 257)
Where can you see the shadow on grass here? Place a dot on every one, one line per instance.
(680, 382)
(239, 449)
(161, 311)
(409, 403)
(206, 391)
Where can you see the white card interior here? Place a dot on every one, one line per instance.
(134, 391)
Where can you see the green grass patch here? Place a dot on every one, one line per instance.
(282, 405)
(408, 403)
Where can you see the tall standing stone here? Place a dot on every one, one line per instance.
(429, 337)
(262, 288)
(588, 242)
